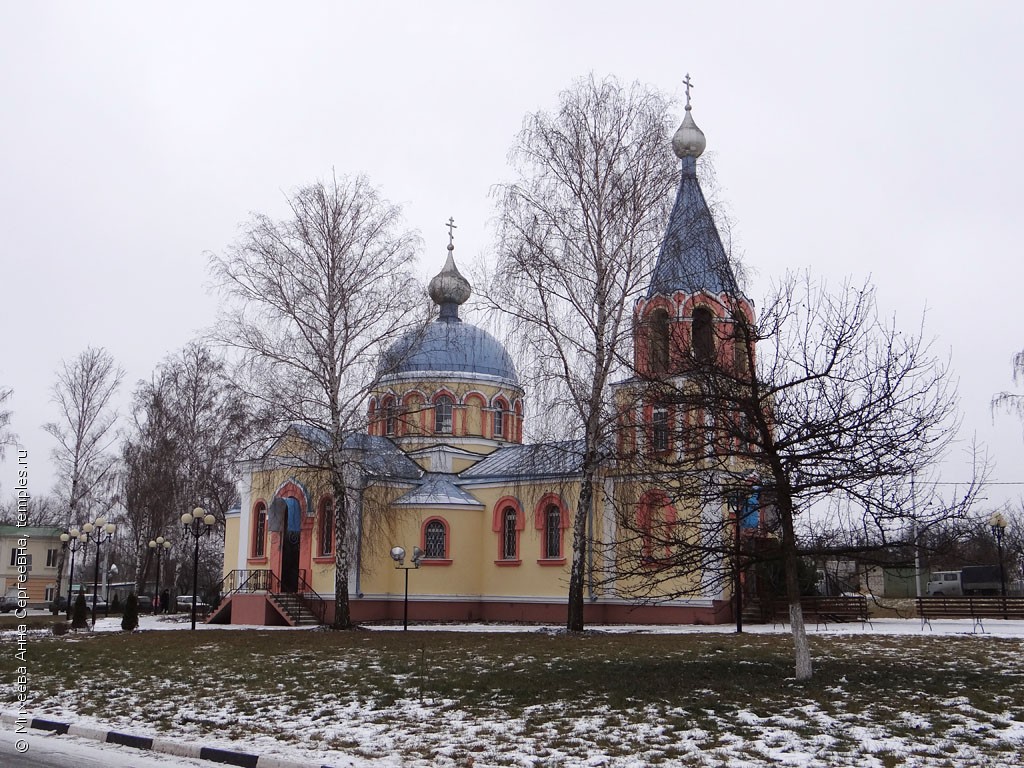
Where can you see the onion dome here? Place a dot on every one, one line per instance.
(688, 140)
(449, 289)
(449, 345)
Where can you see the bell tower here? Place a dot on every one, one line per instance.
(693, 311)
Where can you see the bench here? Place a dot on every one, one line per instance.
(975, 608)
(825, 609)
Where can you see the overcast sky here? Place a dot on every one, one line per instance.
(864, 139)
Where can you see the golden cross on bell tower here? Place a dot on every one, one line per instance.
(689, 85)
(451, 233)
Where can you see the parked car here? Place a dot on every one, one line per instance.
(9, 602)
(101, 604)
(185, 604)
(145, 603)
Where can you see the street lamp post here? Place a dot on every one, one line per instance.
(398, 555)
(73, 540)
(998, 525)
(159, 545)
(101, 532)
(197, 524)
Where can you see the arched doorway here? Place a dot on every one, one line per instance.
(290, 540)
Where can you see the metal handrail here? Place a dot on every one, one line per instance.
(312, 599)
(247, 581)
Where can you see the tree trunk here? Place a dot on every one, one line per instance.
(578, 570)
(801, 648)
(342, 559)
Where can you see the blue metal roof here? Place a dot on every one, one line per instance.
(692, 258)
(449, 345)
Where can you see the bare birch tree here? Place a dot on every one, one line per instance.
(84, 432)
(312, 302)
(818, 407)
(579, 230)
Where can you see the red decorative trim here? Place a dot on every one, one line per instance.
(256, 560)
(324, 559)
(549, 562)
(428, 561)
(508, 563)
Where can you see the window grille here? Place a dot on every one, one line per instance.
(553, 532)
(260, 532)
(434, 540)
(508, 535)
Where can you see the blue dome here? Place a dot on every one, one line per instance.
(449, 346)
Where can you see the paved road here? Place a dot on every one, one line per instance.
(50, 751)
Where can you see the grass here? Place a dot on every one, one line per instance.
(445, 697)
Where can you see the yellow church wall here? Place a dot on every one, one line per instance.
(231, 532)
(456, 575)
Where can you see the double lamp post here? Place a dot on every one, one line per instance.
(196, 524)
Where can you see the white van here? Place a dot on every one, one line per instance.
(944, 583)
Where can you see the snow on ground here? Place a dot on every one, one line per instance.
(805, 735)
(990, 627)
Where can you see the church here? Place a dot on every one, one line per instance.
(450, 508)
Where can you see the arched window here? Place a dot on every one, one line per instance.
(435, 540)
(390, 417)
(703, 335)
(259, 530)
(553, 532)
(326, 532)
(443, 415)
(500, 409)
(659, 341)
(509, 535)
(659, 429)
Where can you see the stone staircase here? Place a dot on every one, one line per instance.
(292, 606)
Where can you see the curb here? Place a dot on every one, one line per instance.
(155, 744)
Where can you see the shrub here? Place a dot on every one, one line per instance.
(60, 628)
(130, 619)
(115, 606)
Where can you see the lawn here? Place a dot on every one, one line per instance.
(546, 698)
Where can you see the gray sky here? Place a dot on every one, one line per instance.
(863, 139)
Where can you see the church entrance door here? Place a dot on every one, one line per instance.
(290, 547)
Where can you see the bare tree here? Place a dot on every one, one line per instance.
(84, 433)
(820, 407)
(1012, 402)
(312, 302)
(190, 425)
(579, 229)
(42, 510)
(7, 438)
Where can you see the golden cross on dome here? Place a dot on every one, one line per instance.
(451, 234)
